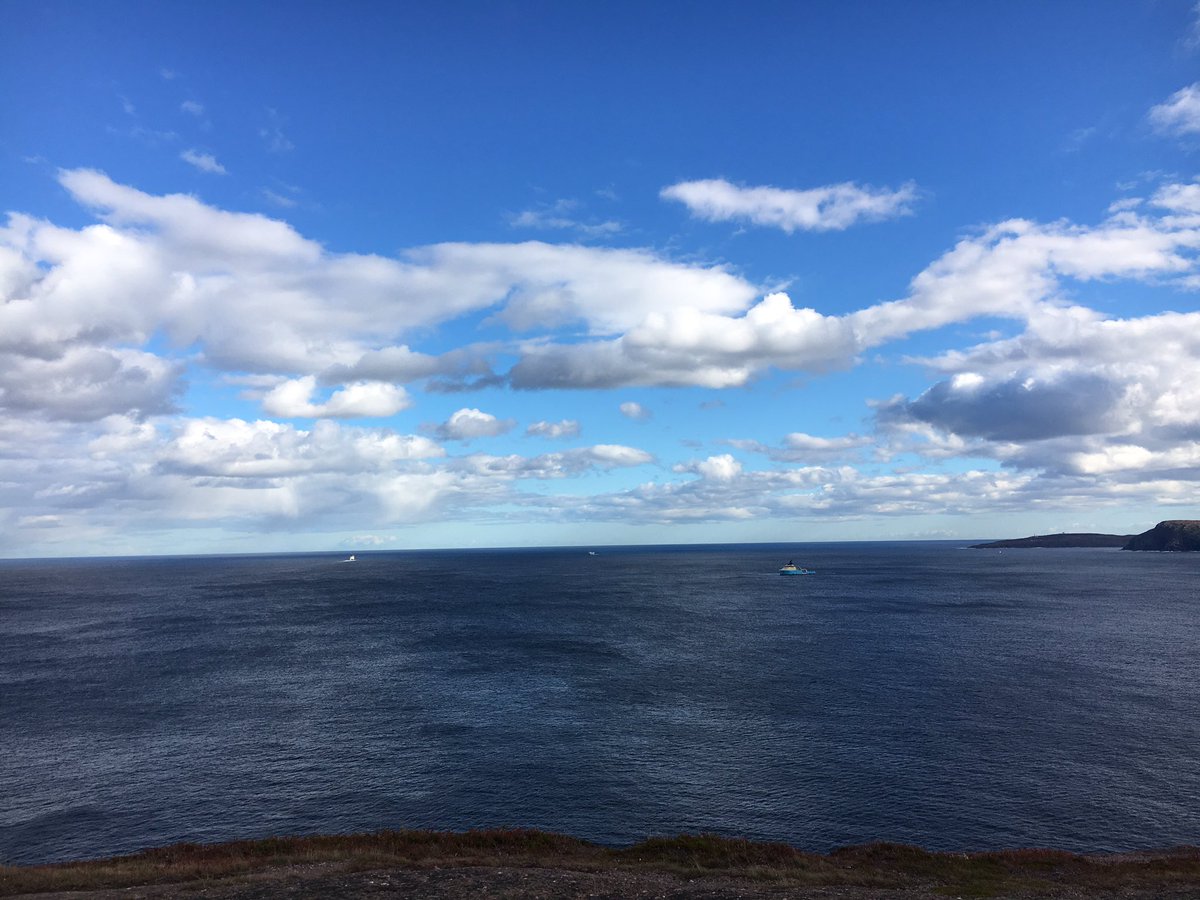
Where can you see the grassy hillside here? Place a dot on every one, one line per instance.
(872, 866)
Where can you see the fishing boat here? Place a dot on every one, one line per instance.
(792, 569)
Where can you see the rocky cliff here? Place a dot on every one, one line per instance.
(1176, 534)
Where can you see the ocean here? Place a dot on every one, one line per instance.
(914, 692)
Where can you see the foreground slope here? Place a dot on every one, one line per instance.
(537, 864)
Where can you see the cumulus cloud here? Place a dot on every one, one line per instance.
(235, 448)
(608, 290)
(567, 428)
(1010, 270)
(467, 424)
(293, 398)
(716, 468)
(255, 296)
(833, 207)
(259, 297)
(205, 162)
(1075, 393)
(1180, 198)
(557, 465)
(687, 347)
(85, 384)
(637, 412)
(801, 447)
(723, 491)
(402, 364)
(1015, 267)
(119, 480)
(100, 324)
(1180, 113)
(1020, 408)
(130, 475)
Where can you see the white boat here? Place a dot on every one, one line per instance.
(792, 569)
(351, 559)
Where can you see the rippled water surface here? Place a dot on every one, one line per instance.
(908, 692)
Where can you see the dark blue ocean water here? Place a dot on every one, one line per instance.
(921, 693)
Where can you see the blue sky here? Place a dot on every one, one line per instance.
(293, 277)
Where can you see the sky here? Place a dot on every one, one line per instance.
(309, 276)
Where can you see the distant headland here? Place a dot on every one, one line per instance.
(1058, 540)
(1174, 534)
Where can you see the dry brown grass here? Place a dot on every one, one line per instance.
(871, 865)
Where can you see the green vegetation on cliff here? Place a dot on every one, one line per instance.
(1174, 534)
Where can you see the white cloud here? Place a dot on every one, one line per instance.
(1076, 393)
(205, 162)
(1192, 40)
(1010, 270)
(86, 384)
(1180, 198)
(402, 364)
(1076, 406)
(609, 455)
(564, 464)
(801, 447)
(293, 398)
(725, 492)
(234, 448)
(567, 428)
(688, 347)
(39, 522)
(562, 216)
(548, 285)
(467, 424)
(272, 134)
(122, 480)
(280, 200)
(256, 296)
(832, 207)
(637, 412)
(191, 107)
(1180, 113)
(369, 540)
(151, 137)
(800, 442)
(719, 468)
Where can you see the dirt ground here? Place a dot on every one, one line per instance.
(330, 882)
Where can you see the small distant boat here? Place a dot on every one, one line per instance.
(591, 553)
(792, 569)
(351, 559)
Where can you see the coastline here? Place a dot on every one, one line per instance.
(525, 863)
